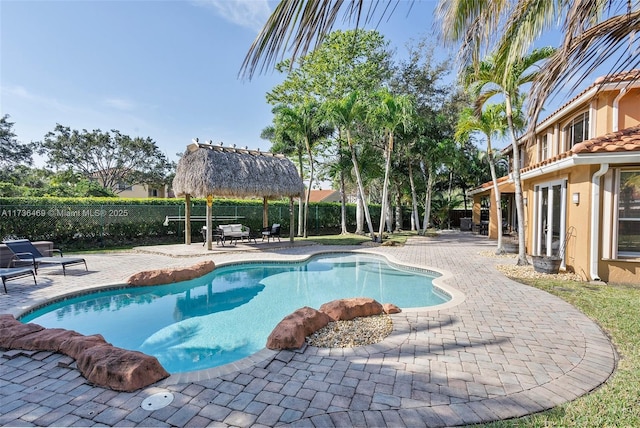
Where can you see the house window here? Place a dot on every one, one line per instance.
(153, 193)
(122, 186)
(543, 148)
(577, 130)
(629, 214)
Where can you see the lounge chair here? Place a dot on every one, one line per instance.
(14, 273)
(25, 252)
(271, 232)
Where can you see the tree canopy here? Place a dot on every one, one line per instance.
(113, 159)
(12, 152)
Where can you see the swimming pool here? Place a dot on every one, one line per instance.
(228, 314)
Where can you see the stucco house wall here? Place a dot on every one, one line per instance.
(585, 175)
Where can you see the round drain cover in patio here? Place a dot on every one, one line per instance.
(157, 401)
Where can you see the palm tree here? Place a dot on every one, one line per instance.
(282, 142)
(345, 113)
(490, 121)
(490, 78)
(595, 31)
(304, 123)
(389, 113)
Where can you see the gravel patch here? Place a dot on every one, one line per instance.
(359, 331)
(514, 271)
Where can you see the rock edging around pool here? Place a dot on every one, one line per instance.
(171, 275)
(290, 333)
(98, 361)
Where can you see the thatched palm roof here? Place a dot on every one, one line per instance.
(207, 169)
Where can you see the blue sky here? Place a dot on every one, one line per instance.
(162, 69)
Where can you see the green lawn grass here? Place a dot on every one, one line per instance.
(353, 239)
(616, 403)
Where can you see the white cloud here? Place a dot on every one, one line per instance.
(251, 14)
(120, 103)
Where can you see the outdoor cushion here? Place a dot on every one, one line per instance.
(235, 230)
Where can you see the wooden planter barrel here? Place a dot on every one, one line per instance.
(546, 264)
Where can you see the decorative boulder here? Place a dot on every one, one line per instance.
(348, 309)
(74, 345)
(10, 331)
(47, 339)
(169, 276)
(119, 369)
(7, 320)
(291, 332)
(390, 308)
(98, 361)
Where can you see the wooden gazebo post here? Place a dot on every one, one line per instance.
(187, 219)
(265, 212)
(209, 222)
(291, 225)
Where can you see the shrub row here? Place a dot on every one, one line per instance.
(87, 223)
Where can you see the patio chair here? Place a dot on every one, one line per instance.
(271, 232)
(25, 252)
(14, 273)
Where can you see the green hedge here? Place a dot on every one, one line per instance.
(86, 223)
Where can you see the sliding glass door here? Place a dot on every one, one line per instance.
(549, 218)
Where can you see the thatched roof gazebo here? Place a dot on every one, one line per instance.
(206, 170)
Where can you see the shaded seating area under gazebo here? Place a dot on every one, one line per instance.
(207, 170)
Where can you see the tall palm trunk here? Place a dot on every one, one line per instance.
(359, 213)
(398, 215)
(301, 204)
(343, 196)
(449, 199)
(427, 197)
(356, 169)
(496, 191)
(306, 203)
(385, 186)
(415, 220)
(522, 256)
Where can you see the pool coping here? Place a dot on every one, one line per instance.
(264, 354)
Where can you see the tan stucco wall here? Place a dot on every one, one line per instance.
(475, 214)
(603, 114)
(140, 191)
(577, 248)
(629, 109)
(620, 272)
(579, 216)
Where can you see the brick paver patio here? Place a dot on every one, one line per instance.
(502, 350)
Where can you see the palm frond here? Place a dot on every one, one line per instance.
(301, 26)
(582, 54)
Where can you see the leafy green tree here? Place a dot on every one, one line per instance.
(111, 158)
(12, 152)
(421, 75)
(345, 63)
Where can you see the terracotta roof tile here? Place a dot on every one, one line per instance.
(320, 195)
(626, 140)
(490, 183)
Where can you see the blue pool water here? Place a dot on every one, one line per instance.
(228, 314)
